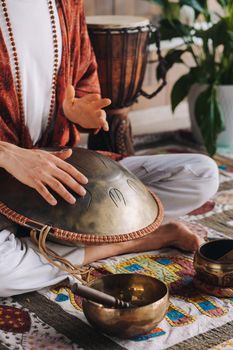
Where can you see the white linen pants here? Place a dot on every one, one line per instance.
(183, 182)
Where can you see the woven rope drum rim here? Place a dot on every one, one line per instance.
(90, 238)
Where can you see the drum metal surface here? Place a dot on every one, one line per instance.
(117, 206)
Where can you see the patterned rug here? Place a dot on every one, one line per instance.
(53, 319)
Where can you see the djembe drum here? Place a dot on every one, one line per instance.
(121, 45)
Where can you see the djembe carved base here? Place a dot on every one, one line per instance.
(119, 138)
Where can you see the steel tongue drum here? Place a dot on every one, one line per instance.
(116, 208)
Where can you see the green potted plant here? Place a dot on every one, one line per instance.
(208, 38)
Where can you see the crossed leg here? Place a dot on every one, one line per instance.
(183, 183)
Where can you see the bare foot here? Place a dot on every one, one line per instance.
(175, 234)
(182, 237)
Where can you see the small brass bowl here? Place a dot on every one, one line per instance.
(149, 295)
(209, 266)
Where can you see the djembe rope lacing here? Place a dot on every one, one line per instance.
(56, 260)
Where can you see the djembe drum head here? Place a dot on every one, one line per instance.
(117, 206)
(117, 22)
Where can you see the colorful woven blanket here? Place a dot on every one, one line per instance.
(53, 319)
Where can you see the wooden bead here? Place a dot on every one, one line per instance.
(18, 82)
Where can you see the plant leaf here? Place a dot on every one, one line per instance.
(173, 56)
(195, 4)
(162, 3)
(209, 117)
(170, 29)
(180, 90)
(224, 3)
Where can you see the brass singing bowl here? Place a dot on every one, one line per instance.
(209, 266)
(147, 294)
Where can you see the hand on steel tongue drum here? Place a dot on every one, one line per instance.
(86, 111)
(45, 171)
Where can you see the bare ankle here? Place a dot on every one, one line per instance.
(174, 233)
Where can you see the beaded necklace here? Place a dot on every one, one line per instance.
(18, 82)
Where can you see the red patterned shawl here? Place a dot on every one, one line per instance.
(78, 66)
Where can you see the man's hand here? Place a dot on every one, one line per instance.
(86, 111)
(42, 170)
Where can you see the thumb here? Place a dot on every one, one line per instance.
(70, 93)
(63, 154)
